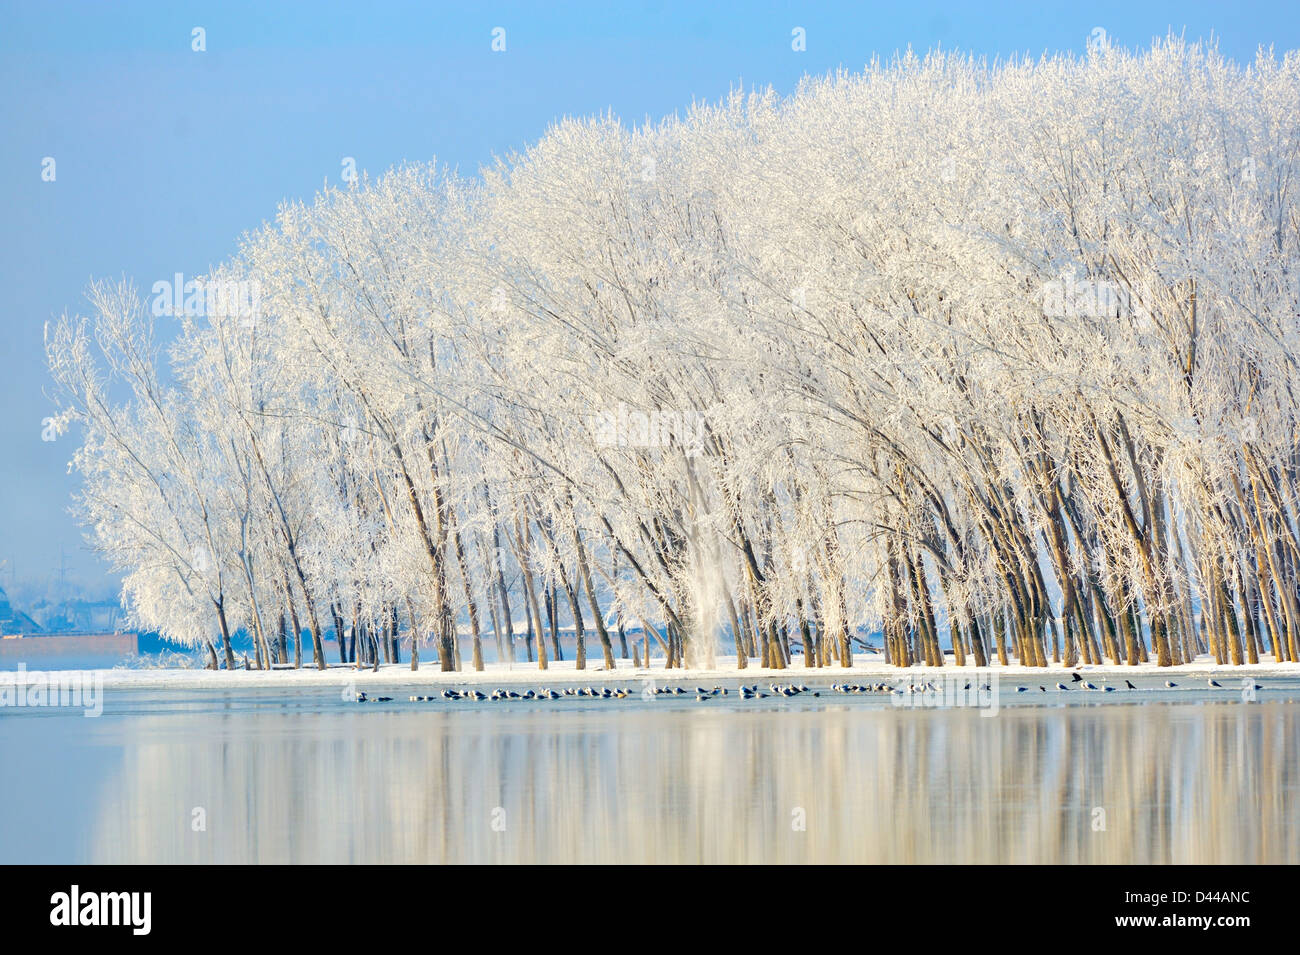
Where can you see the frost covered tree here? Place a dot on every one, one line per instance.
(991, 361)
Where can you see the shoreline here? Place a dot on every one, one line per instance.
(563, 673)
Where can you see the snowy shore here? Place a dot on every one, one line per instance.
(871, 667)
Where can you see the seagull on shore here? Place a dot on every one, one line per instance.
(1021, 689)
(1215, 683)
(1088, 686)
(1171, 684)
(1061, 686)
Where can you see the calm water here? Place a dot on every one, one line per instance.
(308, 778)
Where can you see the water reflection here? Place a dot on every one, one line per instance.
(1180, 784)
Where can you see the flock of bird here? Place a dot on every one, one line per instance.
(1076, 678)
(746, 692)
(603, 693)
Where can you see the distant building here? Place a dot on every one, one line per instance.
(14, 623)
(77, 616)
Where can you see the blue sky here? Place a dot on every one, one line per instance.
(164, 156)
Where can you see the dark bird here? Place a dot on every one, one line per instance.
(1129, 685)
(1076, 678)
(1021, 689)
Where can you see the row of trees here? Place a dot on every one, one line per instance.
(1000, 358)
